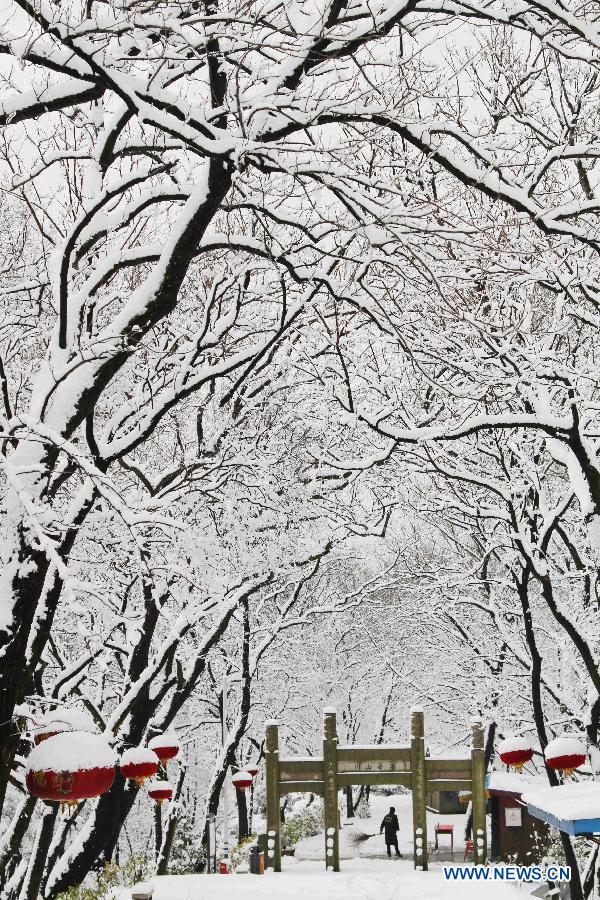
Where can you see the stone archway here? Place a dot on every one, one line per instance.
(402, 764)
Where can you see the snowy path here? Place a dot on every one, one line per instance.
(367, 873)
(312, 848)
(361, 879)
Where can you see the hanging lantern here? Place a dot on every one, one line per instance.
(241, 780)
(166, 746)
(252, 770)
(60, 720)
(70, 767)
(139, 763)
(160, 791)
(565, 753)
(515, 751)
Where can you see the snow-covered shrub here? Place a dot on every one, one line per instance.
(553, 854)
(187, 848)
(363, 810)
(103, 885)
(305, 823)
(239, 856)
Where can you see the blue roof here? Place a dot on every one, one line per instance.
(571, 826)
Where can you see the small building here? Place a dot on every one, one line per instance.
(446, 802)
(517, 835)
(573, 808)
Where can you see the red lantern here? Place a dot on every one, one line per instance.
(40, 736)
(252, 770)
(166, 746)
(139, 763)
(160, 791)
(565, 753)
(515, 751)
(61, 720)
(70, 767)
(241, 780)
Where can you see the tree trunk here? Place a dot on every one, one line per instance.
(57, 850)
(157, 831)
(242, 810)
(166, 845)
(40, 586)
(589, 876)
(31, 888)
(103, 829)
(575, 885)
(164, 853)
(10, 846)
(25, 592)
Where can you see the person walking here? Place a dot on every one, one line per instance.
(391, 826)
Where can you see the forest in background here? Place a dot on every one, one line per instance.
(298, 389)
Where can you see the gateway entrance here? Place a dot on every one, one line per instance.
(341, 765)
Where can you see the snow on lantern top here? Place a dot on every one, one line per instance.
(139, 763)
(515, 751)
(137, 755)
(71, 752)
(160, 790)
(166, 746)
(61, 720)
(565, 753)
(242, 780)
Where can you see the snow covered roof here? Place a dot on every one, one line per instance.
(574, 808)
(309, 759)
(71, 751)
(374, 747)
(514, 783)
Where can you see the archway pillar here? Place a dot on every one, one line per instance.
(478, 792)
(419, 788)
(330, 791)
(273, 854)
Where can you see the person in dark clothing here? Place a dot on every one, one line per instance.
(390, 826)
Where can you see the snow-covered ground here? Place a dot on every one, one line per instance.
(360, 879)
(353, 844)
(367, 873)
